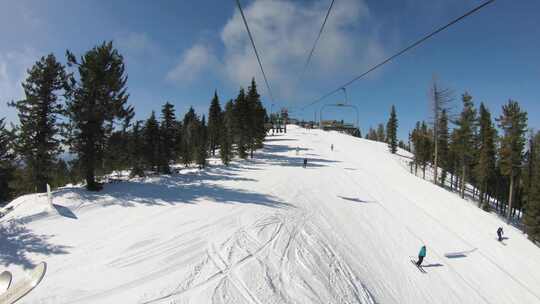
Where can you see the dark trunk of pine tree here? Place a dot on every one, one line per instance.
(91, 184)
(510, 197)
(463, 181)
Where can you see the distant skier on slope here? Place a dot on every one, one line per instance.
(305, 163)
(500, 233)
(332, 147)
(421, 255)
(297, 149)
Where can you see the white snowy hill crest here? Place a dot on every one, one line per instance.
(342, 230)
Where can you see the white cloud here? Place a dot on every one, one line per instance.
(13, 66)
(192, 64)
(284, 32)
(139, 43)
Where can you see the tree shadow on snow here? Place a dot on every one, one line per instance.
(269, 155)
(16, 241)
(65, 211)
(185, 188)
(354, 199)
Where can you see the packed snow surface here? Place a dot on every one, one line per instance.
(266, 230)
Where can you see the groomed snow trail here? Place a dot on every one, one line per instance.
(267, 230)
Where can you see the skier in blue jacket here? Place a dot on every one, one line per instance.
(421, 255)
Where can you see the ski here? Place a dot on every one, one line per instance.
(419, 267)
(5, 281)
(24, 286)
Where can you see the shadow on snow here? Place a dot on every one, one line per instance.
(185, 188)
(354, 199)
(16, 241)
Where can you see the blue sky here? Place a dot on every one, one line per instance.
(181, 51)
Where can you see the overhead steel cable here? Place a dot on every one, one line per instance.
(316, 41)
(402, 51)
(255, 49)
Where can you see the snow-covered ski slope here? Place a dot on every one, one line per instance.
(266, 230)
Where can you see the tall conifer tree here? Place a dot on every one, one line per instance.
(6, 163)
(226, 150)
(37, 137)
(215, 124)
(485, 166)
(465, 138)
(442, 146)
(151, 142)
(136, 149)
(531, 218)
(167, 137)
(381, 134)
(96, 100)
(241, 121)
(513, 122)
(189, 134)
(391, 130)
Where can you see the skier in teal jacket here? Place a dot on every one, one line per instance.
(421, 255)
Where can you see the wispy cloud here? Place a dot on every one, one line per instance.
(13, 67)
(193, 63)
(137, 44)
(284, 32)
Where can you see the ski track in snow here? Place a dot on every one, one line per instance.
(267, 230)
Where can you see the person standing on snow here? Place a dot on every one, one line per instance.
(332, 147)
(305, 162)
(500, 234)
(421, 255)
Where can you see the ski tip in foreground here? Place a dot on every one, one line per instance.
(5, 281)
(24, 286)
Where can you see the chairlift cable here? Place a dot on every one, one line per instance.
(423, 39)
(255, 49)
(315, 43)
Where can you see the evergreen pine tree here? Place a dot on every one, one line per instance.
(485, 166)
(381, 134)
(465, 138)
(60, 174)
(201, 143)
(372, 134)
(189, 133)
(442, 145)
(416, 140)
(151, 142)
(531, 219)
(391, 130)
(241, 120)
(215, 124)
(6, 163)
(179, 141)
(513, 123)
(168, 137)
(226, 150)
(116, 156)
(426, 151)
(256, 118)
(37, 136)
(96, 100)
(137, 148)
